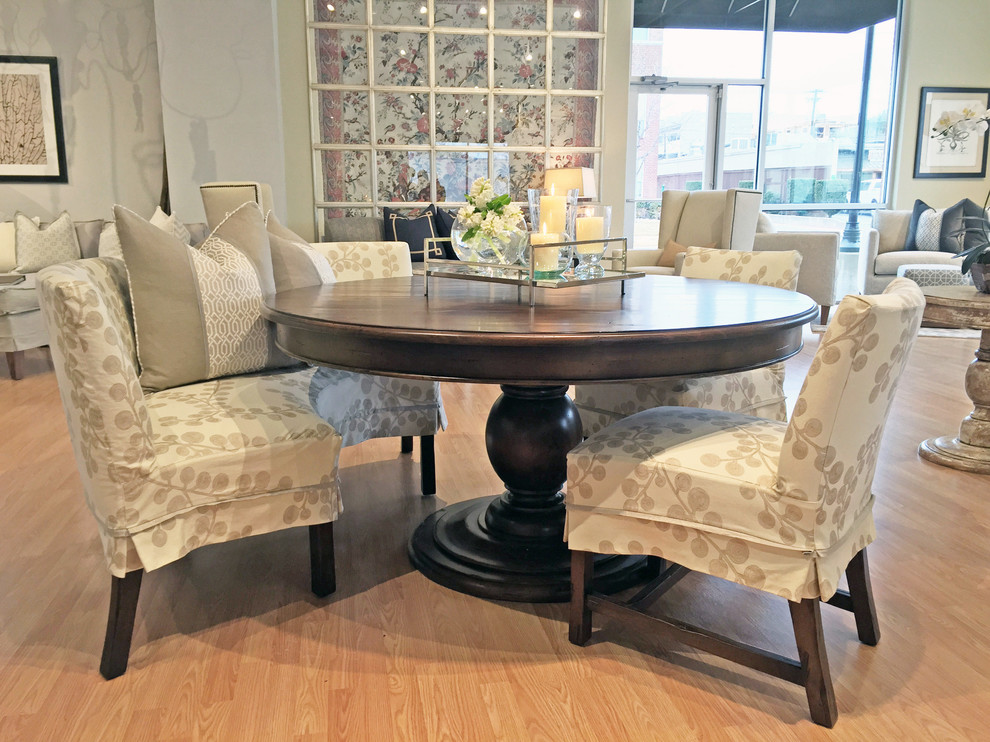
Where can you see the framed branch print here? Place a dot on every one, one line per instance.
(952, 137)
(32, 143)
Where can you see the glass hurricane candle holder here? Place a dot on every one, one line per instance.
(550, 254)
(591, 222)
(552, 213)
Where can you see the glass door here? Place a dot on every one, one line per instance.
(674, 145)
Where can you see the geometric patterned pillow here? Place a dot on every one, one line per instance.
(109, 242)
(37, 247)
(169, 223)
(197, 310)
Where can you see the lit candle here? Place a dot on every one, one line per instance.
(553, 213)
(545, 259)
(589, 228)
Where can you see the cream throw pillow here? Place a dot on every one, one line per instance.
(169, 223)
(38, 247)
(672, 250)
(197, 310)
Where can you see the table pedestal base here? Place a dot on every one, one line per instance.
(511, 547)
(970, 450)
(954, 453)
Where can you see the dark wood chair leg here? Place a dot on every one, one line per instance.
(582, 571)
(427, 466)
(120, 623)
(807, 619)
(407, 441)
(321, 559)
(15, 359)
(861, 594)
(825, 309)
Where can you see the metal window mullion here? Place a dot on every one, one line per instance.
(761, 145)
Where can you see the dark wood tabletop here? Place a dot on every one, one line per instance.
(474, 331)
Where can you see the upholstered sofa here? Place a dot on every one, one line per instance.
(884, 251)
(21, 327)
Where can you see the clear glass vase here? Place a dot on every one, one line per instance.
(592, 222)
(504, 248)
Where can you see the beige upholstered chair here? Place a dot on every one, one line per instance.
(359, 406)
(758, 392)
(783, 508)
(167, 472)
(724, 220)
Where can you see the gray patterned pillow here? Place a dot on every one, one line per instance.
(197, 310)
(38, 247)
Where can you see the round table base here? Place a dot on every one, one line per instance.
(456, 549)
(953, 453)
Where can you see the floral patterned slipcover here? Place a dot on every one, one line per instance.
(758, 392)
(170, 471)
(364, 406)
(778, 507)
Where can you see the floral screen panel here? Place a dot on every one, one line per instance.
(414, 99)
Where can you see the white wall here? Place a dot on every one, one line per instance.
(944, 44)
(108, 73)
(221, 102)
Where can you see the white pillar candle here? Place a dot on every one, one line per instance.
(545, 259)
(589, 228)
(553, 213)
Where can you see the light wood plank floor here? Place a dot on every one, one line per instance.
(230, 644)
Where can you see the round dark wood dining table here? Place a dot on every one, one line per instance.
(510, 546)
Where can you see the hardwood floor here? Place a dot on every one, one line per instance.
(231, 645)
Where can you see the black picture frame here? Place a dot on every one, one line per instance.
(940, 157)
(32, 141)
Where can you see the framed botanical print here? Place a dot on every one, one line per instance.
(952, 137)
(32, 143)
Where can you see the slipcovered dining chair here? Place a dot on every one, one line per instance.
(359, 406)
(782, 508)
(170, 471)
(758, 392)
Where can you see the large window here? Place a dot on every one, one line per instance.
(801, 109)
(414, 99)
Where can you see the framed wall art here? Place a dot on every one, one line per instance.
(951, 141)
(32, 143)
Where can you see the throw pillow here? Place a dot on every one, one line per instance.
(110, 242)
(413, 231)
(941, 229)
(297, 265)
(354, 229)
(670, 252)
(37, 247)
(274, 226)
(169, 223)
(197, 310)
(444, 222)
(8, 255)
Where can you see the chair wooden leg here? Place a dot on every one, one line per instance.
(427, 466)
(582, 571)
(807, 619)
(15, 359)
(407, 443)
(120, 623)
(321, 559)
(861, 594)
(825, 309)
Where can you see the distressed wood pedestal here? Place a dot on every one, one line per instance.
(964, 306)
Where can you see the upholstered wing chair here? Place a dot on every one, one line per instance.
(782, 508)
(170, 471)
(757, 391)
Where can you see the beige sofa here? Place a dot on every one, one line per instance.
(21, 327)
(884, 252)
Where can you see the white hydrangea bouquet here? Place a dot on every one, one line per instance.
(489, 228)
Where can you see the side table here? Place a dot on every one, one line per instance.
(964, 306)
